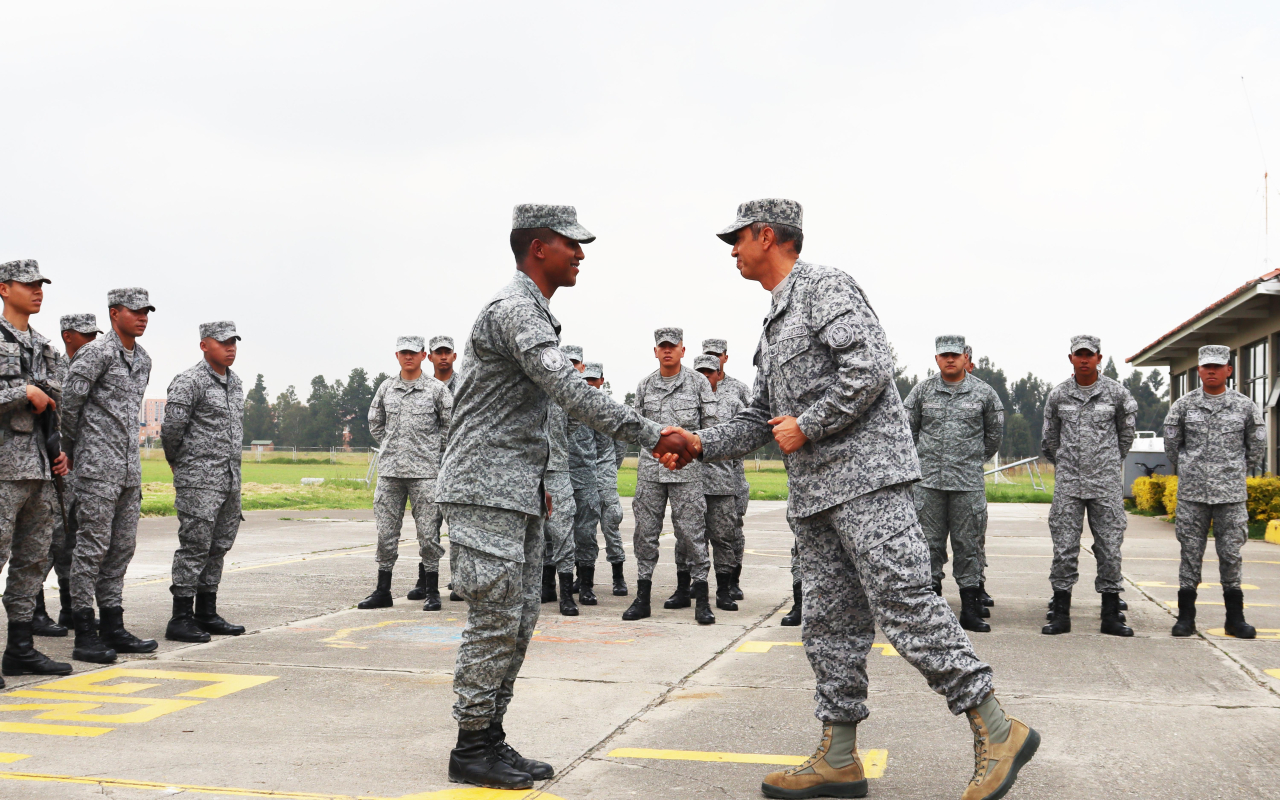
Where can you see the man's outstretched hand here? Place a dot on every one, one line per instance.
(683, 448)
(787, 433)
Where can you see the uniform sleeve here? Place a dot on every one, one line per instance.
(1051, 435)
(1126, 422)
(708, 405)
(604, 452)
(914, 412)
(84, 373)
(444, 409)
(378, 414)
(619, 453)
(1255, 439)
(1175, 435)
(749, 430)
(181, 399)
(992, 426)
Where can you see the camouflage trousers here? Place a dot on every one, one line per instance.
(105, 540)
(960, 517)
(1107, 522)
(559, 547)
(497, 568)
(724, 534)
(611, 525)
(744, 499)
(26, 528)
(795, 564)
(688, 517)
(64, 536)
(1230, 533)
(865, 565)
(586, 514)
(388, 510)
(208, 521)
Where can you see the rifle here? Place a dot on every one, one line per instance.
(49, 428)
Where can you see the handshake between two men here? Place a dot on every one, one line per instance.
(678, 447)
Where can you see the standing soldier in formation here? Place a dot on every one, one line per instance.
(202, 433)
(728, 387)
(1089, 422)
(722, 483)
(409, 418)
(957, 422)
(586, 497)
(442, 357)
(1213, 438)
(560, 546)
(29, 395)
(673, 395)
(609, 455)
(104, 392)
(987, 602)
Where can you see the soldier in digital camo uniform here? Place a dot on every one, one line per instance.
(491, 482)
(1089, 422)
(202, 433)
(722, 483)
(29, 394)
(730, 386)
(609, 455)
(586, 497)
(104, 392)
(824, 391)
(957, 422)
(442, 357)
(1213, 437)
(561, 549)
(987, 602)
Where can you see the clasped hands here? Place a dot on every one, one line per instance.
(678, 447)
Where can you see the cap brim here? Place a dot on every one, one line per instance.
(1083, 347)
(1214, 363)
(139, 308)
(575, 232)
(730, 234)
(667, 341)
(948, 351)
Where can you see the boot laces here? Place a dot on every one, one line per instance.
(823, 747)
(506, 753)
(981, 759)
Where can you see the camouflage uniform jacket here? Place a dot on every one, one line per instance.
(409, 420)
(732, 387)
(22, 453)
(956, 429)
(497, 450)
(1088, 431)
(203, 428)
(1213, 442)
(452, 383)
(687, 401)
(725, 477)
(824, 359)
(103, 396)
(582, 455)
(558, 439)
(609, 455)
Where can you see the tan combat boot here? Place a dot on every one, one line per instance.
(834, 771)
(1001, 745)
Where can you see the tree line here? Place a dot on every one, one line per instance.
(334, 414)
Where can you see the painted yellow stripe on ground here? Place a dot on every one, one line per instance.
(52, 730)
(9, 758)
(1275, 673)
(873, 761)
(1263, 633)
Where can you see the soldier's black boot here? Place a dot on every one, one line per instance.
(1123, 605)
(381, 596)
(22, 658)
(735, 590)
(549, 583)
(724, 582)
(639, 608)
(567, 607)
(182, 625)
(538, 770)
(1059, 614)
(1112, 619)
(701, 606)
(937, 588)
(1186, 624)
(88, 646)
(796, 615)
(587, 584)
(111, 629)
(971, 610)
(209, 620)
(66, 618)
(679, 598)
(431, 587)
(619, 582)
(474, 760)
(41, 624)
(1236, 626)
(987, 602)
(419, 591)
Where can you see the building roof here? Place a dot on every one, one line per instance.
(260, 441)
(1215, 310)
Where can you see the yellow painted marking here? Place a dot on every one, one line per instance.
(873, 761)
(1174, 604)
(221, 684)
(9, 758)
(339, 639)
(1275, 673)
(1263, 633)
(764, 647)
(1163, 585)
(75, 711)
(49, 730)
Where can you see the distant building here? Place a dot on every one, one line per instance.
(262, 446)
(150, 418)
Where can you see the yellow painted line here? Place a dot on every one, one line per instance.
(222, 684)
(764, 647)
(873, 761)
(339, 639)
(9, 758)
(1162, 585)
(50, 730)
(1275, 673)
(75, 711)
(1263, 633)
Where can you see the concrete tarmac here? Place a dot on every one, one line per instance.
(322, 701)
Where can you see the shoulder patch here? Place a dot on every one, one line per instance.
(80, 385)
(552, 359)
(841, 335)
(176, 411)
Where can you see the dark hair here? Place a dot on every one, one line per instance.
(783, 233)
(521, 238)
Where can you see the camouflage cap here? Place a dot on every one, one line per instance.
(81, 323)
(221, 331)
(706, 361)
(948, 343)
(441, 341)
(573, 351)
(771, 209)
(668, 335)
(133, 298)
(26, 270)
(968, 352)
(593, 369)
(410, 343)
(715, 346)
(561, 219)
(1086, 342)
(1215, 354)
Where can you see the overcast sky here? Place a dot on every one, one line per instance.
(331, 176)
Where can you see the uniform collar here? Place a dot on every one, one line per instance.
(1084, 392)
(965, 385)
(783, 299)
(36, 339)
(223, 379)
(525, 283)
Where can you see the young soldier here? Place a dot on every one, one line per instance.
(824, 392)
(202, 433)
(1213, 437)
(722, 483)
(987, 602)
(957, 423)
(586, 498)
(673, 395)
(104, 393)
(609, 455)
(1088, 429)
(408, 418)
(560, 545)
(29, 394)
(730, 386)
(442, 358)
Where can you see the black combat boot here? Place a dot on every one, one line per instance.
(1112, 619)
(701, 606)
(937, 588)
(538, 770)
(208, 619)
(679, 598)
(639, 608)
(182, 625)
(984, 600)
(971, 611)
(474, 760)
(587, 584)
(88, 646)
(568, 608)
(549, 583)
(66, 618)
(381, 597)
(431, 586)
(1186, 624)
(724, 601)
(41, 624)
(454, 597)
(735, 590)
(1059, 614)
(1123, 605)
(619, 582)
(796, 615)
(419, 591)
(1236, 626)
(111, 629)
(22, 658)
(987, 602)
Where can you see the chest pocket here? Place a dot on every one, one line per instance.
(685, 409)
(790, 344)
(1103, 411)
(10, 360)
